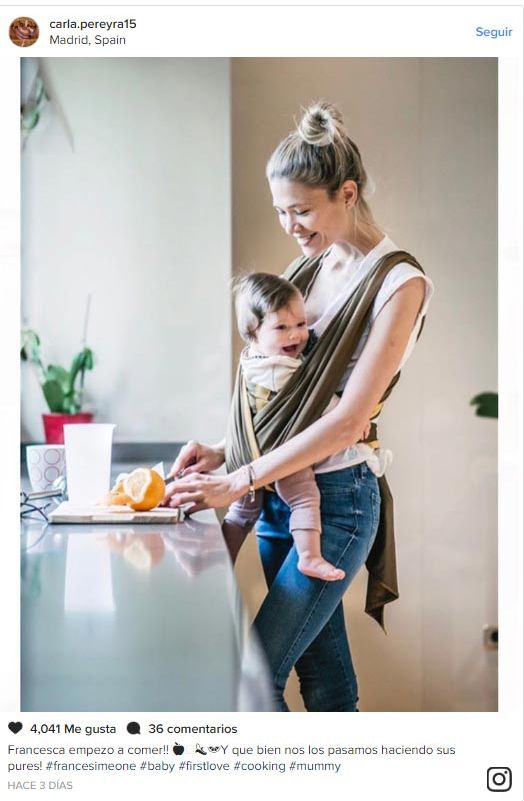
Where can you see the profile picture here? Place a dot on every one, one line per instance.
(23, 31)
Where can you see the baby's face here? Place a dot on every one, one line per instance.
(284, 332)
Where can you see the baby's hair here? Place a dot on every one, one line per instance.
(257, 295)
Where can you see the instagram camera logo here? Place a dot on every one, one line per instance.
(499, 780)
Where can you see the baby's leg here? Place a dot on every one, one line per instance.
(310, 559)
(238, 522)
(301, 493)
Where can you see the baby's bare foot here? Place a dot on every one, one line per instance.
(317, 567)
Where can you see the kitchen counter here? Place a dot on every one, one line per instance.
(135, 618)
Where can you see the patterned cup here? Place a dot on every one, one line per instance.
(45, 463)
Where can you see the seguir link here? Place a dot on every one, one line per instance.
(493, 33)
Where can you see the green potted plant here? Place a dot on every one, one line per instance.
(63, 389)
(487, 404)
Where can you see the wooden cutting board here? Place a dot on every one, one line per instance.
(68, 513)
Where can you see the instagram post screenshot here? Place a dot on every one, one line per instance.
(262, 398)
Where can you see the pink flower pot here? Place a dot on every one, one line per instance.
(54, 425)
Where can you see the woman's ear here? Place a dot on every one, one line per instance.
(349, 192)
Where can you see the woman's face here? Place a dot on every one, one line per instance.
(311, 216)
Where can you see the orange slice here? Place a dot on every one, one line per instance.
(143, 489)
(117, 496)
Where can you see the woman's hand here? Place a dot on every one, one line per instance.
(365, 431)
(197, 458)
(205, 491)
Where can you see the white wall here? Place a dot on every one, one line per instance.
(139, 215)
(427, 129)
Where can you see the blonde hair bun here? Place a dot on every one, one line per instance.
(319, 152)
(321, 124)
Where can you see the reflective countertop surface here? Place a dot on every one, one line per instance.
(135, 618)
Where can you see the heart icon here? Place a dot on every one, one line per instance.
(15, 727)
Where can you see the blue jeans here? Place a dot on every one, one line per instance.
(301, 621)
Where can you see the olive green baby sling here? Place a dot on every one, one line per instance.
(306, 395)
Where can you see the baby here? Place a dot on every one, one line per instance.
(271, 319)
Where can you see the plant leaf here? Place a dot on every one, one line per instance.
(487, 404)
(56, 373)
(70, 406)
(54, 395)
(89, 359)
(82, 361)
(30, 350)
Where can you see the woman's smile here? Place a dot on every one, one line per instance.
(310, 215)
(304, 240)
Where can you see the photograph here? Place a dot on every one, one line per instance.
(259, 399)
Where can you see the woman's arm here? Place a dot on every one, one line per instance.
(340, 428)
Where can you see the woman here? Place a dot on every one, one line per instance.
(318, 181)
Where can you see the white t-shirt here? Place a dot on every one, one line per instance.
(358, 265)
